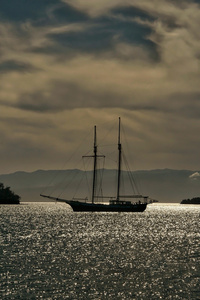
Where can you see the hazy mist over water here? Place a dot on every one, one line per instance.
(49, 252)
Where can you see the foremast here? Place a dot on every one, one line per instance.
(119, 162)
(95, 156)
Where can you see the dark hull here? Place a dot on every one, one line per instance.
(81, 206)
(9, 202)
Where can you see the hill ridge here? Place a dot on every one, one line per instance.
(165, 185)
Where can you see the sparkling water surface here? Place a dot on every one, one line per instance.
(49, 252)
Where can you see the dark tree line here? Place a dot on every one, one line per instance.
(7, 196)
(195, 200)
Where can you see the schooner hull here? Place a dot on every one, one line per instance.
(88, 207)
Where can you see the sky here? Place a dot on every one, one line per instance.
(67, 65)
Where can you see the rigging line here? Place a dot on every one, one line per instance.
(67, 183)
(122, 185)
(110, 156)
(78, 186)
(108, 145)
(50, 182)
(98, 176)
(108, 131)
(86, 175)
(138, 185)
(136, 182)
(71, 156)
(101, 171)
(131, 178)
(87, 153)
(60, 184)
(58, 172)
(72, 179)
(79, 145)
(116, 178)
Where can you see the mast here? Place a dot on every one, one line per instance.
(95, 165)
(94, 156)
(119, 161)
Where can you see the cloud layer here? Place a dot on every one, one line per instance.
(66, 65)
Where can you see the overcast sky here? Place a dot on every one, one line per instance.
(67, 65)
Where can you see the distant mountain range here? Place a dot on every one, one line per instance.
(164, 185)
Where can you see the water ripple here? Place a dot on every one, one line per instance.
(49, 252)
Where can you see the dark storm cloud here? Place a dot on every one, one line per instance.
(119, 24)
(145, 30)
(71, 63)
(102, 33)
(40, 12)
(12, 65)
(67, 14)
(23, 10)
(129, 11)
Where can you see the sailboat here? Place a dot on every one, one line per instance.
(119, 203)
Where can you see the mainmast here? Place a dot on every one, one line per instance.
(95, 165)
(119, 161)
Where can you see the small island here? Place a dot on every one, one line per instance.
(7, 196)
(195, 200)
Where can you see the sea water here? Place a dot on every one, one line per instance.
(49, 252)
